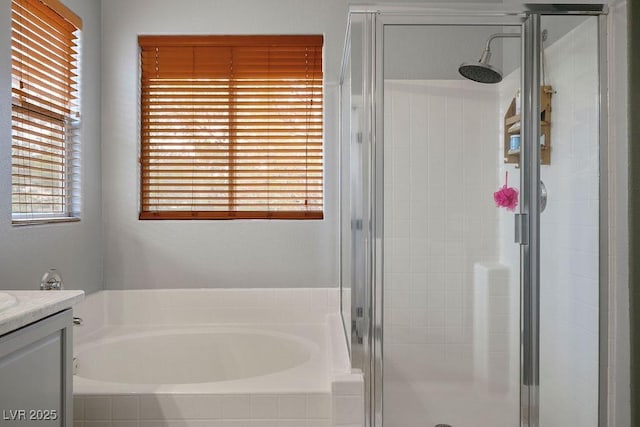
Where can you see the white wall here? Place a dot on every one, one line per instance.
(75, 249)
(173, 254)
(419, 52)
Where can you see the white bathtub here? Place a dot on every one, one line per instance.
(266, 357)
(194, 355)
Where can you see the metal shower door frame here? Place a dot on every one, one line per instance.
(530, 210)
(437, 18)
(530, 192)
(529, 24)
(530, 225)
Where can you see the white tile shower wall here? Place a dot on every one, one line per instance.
(492, 324)
(569, 237)
(440, 219)
(569, 233)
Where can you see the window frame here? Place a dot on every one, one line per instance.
(45, 113)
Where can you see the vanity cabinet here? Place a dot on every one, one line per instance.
(36, 373)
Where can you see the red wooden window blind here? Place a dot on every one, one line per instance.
(231, 127)
(44, 111)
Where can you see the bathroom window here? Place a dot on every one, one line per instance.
(231, 127)
(45, 116)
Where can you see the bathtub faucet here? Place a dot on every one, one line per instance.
(51, 281)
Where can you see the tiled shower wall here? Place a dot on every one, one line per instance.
(439, 219)
(569, 237)
(569, 233)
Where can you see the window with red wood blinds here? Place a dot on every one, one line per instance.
(231, 127)
(45, 116)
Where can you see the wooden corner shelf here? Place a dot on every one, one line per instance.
(511, 119)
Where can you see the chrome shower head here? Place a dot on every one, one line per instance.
(482, 71)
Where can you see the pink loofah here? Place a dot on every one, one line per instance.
(506, 197)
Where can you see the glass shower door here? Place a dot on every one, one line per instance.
(477, 326)
(451, 269)
(356, 196)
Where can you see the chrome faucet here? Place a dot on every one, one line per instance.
(51, 281)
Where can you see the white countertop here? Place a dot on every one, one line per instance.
(32, 306)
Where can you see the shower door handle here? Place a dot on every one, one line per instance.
(357, 325)
(521, 229)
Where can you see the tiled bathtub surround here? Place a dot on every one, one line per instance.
(343, 407)
(169, 410)
(333, 397)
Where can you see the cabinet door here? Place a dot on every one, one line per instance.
(33, 383)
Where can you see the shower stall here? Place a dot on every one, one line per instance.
(474, 215)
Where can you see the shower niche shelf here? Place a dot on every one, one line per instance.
(512, 127)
